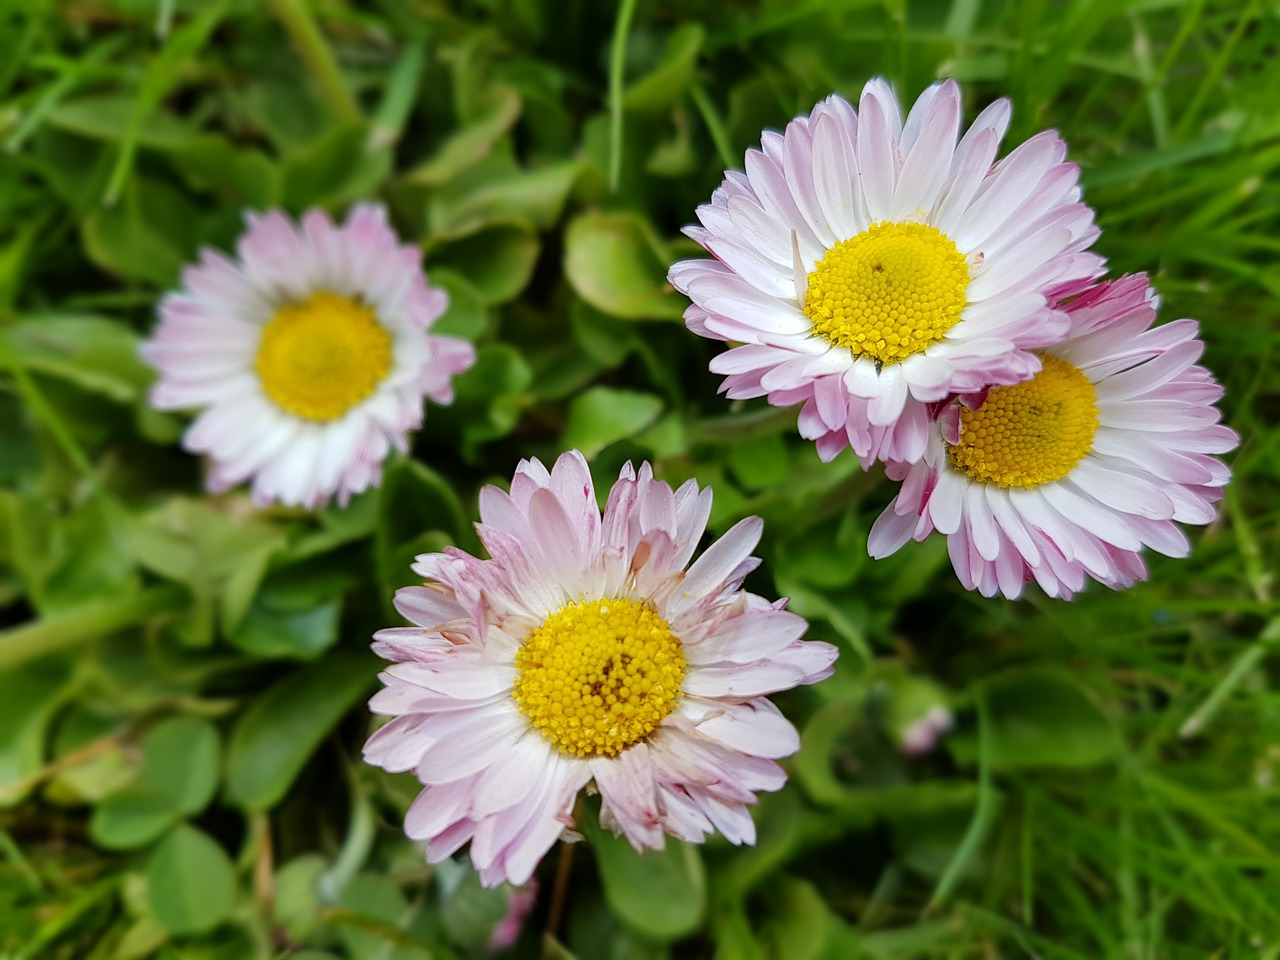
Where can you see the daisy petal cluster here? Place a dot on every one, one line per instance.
(868, 266)
(308, 354)
(939, 311)
(1070, 474)
(589, 648)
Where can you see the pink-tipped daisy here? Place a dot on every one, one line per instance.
(869, 267)
(309, 354)
(588, 649)
(1070, 474)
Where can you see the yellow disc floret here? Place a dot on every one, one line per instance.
(599, 676)
(321, 356)
(889, 292)
(1029, 433)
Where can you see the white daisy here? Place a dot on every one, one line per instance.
(587, 649)
(1073, 472)
(309, 354)
(870, 267)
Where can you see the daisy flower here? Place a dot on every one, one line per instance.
(1073, 472)
(869, 267)
(588, 649)
(309, 355)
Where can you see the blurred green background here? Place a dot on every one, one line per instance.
(183, 677)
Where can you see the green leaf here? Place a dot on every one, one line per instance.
(131, 818)
(660, 894)
(205, 548)
(295, 615)
(1040, 718)
(535, 197)
(617, 264)
(497, 261)
(334, 169)
(191, 883)
(146, 235)
(297, 905)
(600, 416)
(670, 79)
(181, 762)
(239, 176)
(472, 143)
(94, 353)
(30, 695)
(274, 738)
(466, 315)
(106, 117)
(378, 907)
(491, 395)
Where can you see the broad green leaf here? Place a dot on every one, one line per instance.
(297, 904)
(669, 80)
(491, 395)
(146, 235)
(761, 463)
(335, 169)
(181, 762)
(94, 353)
(471, 143)
(471, 911)
(131, 818)
(536, 197)
(617, 264)
(1040, 718)
(191, 883)
(294, 615)
(106, 117)
(602, 415)
(238, 176)
(801, 924)
(196, 544)
(466, 315)
(30, 695)
(377, 907)
(497, 261)
(660, 894)
(275, 737)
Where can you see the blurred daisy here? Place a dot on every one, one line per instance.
(309, 354)
(1073, 472)
(588, 649)
(869, 268)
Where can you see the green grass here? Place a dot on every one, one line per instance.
(1111, 787)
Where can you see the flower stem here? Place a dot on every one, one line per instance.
(301, 26)
(617, 72)
(62, 631)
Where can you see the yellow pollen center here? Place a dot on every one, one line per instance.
(321, 356)
(597, 677)
(889, 292)
(1029, 433)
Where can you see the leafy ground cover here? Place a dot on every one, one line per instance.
(182, 677)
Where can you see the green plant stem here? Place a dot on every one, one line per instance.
(66, 630)
(1243, 666)
(983, 815)
(715, 126)
(617, 72)
(296, 17)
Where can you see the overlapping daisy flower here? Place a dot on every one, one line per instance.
(1072, 473)
(309, 354)
(868, 267)
(589, 648)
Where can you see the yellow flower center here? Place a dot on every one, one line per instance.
(597, 677)
(320, 357)
(1029, 433)
(889, 292)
